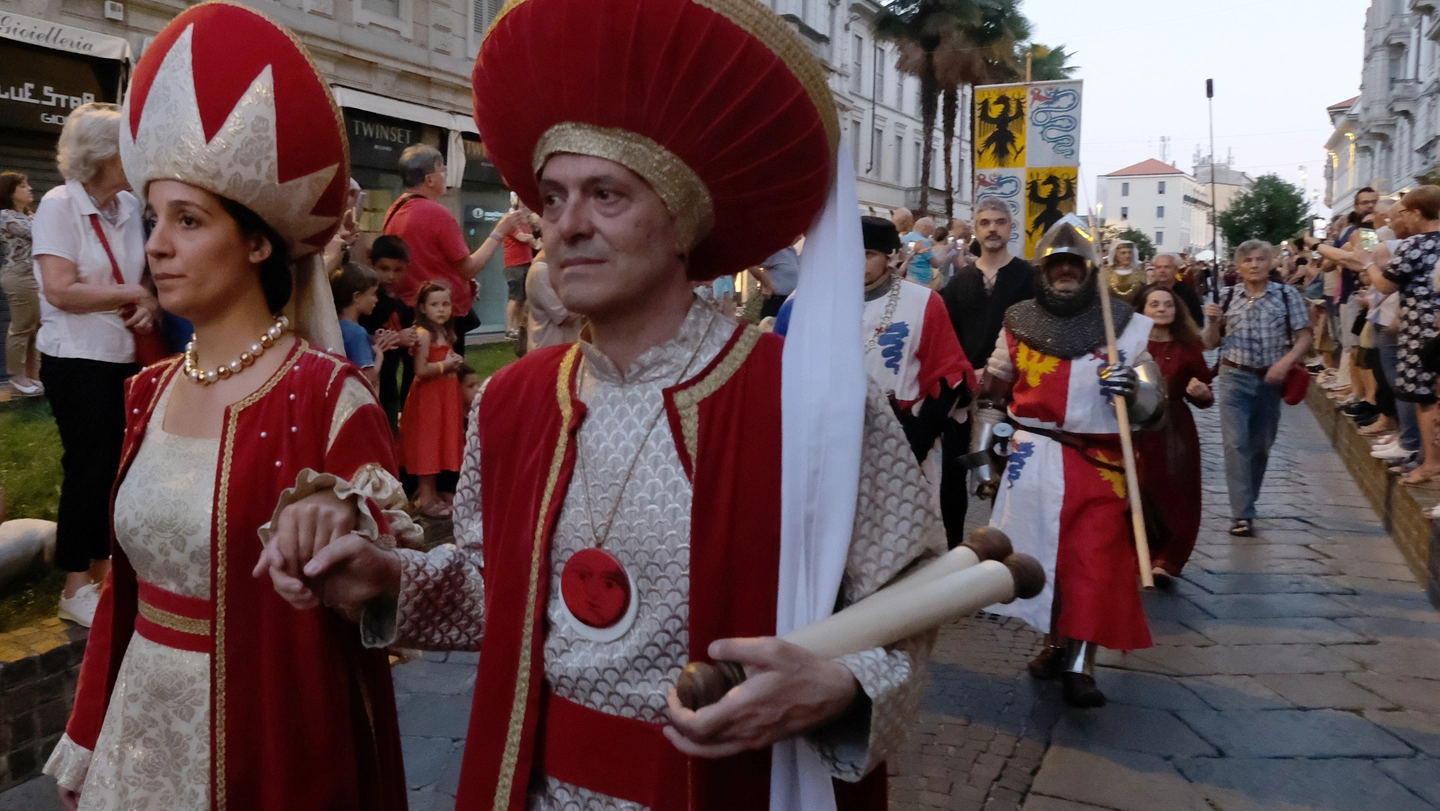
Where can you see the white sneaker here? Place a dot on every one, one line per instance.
(80, 609)
(1389, 452)
(32, 390)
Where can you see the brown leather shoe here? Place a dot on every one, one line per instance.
(1047, 665)
(1081, 690)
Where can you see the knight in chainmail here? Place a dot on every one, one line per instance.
(1059, 481)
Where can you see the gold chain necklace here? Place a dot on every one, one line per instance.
(1124, 284)
(601, 537)
(240, 364)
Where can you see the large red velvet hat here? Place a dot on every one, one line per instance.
(228, 100)
(718, 104)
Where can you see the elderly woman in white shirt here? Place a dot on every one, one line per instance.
(89, 249)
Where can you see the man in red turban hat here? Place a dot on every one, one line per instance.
(619, 512)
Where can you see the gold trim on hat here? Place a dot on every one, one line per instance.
(772, 32)
(684, 193)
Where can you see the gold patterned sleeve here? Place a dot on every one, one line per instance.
(442, 595)
(897, 525)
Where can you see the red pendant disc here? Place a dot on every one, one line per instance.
(595, 588)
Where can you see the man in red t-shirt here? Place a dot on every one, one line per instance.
(519, 253)
(437, 247)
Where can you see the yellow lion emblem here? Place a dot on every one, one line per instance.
(1116, 478)
(1035, 365)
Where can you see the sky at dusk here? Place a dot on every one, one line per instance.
(1277, 64)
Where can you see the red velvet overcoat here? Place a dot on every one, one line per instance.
(726, 426)
(303, 717)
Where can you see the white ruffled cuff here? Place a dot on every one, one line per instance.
(371, 482)
(69, 764)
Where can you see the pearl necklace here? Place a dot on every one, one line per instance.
(234, 367)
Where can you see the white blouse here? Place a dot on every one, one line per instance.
(62, 228)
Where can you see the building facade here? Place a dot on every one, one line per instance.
(1389, 134)
(879, 108)
(400, 70)
(1167, 205)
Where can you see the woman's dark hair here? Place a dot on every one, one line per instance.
(275, 278)
(445, 330)
(389, 246)
(9, 182)
(350, 281)
(1183, 329)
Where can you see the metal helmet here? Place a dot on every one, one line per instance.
(1068, 236)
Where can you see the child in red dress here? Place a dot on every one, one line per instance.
(431, 432)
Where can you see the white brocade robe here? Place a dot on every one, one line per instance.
(441, 604)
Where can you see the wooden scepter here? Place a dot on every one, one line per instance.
(1122, 416)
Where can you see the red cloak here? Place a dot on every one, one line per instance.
(528, 420)
(303, 717)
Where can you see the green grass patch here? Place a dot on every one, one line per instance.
(487, 359)
(29, 460)
(30, 479)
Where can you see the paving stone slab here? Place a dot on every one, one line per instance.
(1410, 604)
(1237, 660)
(1036, 802)
(38, 794)
(1266, 583)
(1134, 729)
(1170, 632)
(1293, 734)
(1420, 775)
(434, 716)
(1245, 564)
(1171, 607)
(1371, 570)
(1276, 631)
(1272, 605)
(1420, 730)
(1136, 689)
(1393, 660)
(1393, 631)
(1126, 781)
(1324, 690)
(424, 676)
(1234, 784)
(1379, 549)
(1420, 695)
(423, 759)
(1372, 586)
(431, 801)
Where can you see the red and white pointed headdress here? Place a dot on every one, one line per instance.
(228, 100)
(718, 104)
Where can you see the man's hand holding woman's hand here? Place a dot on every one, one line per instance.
(315, 558)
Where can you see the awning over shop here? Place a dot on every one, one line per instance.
(403, 110)
(34, 31)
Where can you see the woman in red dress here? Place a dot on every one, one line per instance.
(1170, 456)
(432, 427)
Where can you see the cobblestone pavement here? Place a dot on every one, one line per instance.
(1296, 670)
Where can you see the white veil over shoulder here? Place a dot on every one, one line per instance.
(822, 425)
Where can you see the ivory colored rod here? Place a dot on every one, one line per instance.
(957, 559)
(873, 623)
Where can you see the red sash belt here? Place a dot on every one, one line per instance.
(174, 620)
(623, 758)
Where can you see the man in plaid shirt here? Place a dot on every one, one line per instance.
(1262, 329)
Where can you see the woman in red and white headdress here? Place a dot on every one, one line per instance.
(201, 688)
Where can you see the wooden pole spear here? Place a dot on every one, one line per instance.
(1122, 415)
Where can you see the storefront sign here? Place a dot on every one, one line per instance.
(46, 34)
(39, 88)
(377, 141)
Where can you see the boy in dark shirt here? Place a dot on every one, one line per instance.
(390, 258)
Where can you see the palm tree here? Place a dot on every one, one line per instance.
(946, 44)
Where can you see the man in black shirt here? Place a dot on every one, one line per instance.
(977, 298)
(1165, 272)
